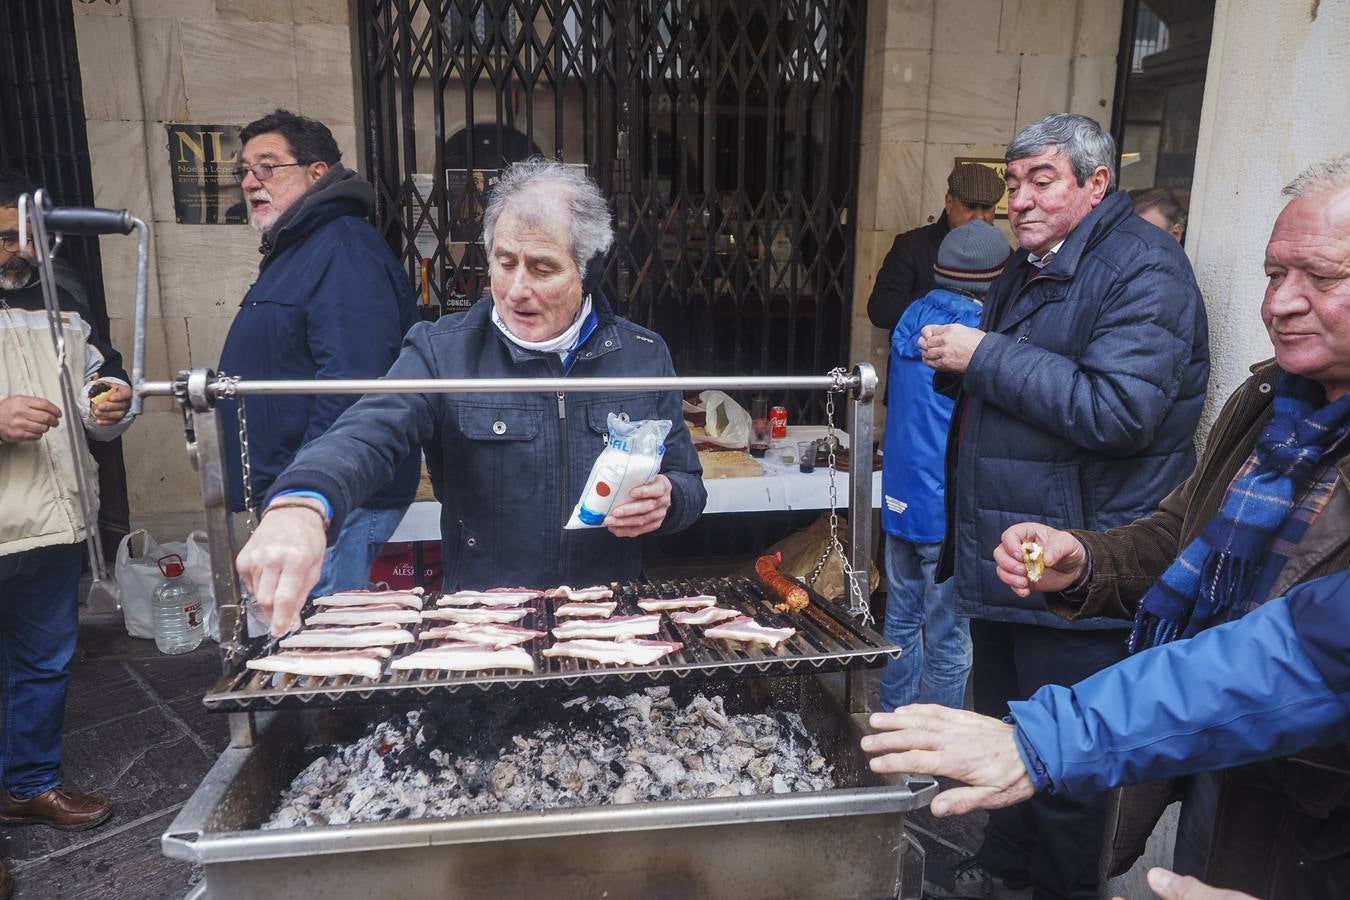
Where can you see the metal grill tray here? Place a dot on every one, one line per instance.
(827, 639)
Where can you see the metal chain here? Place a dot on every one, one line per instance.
(245, 466)
(858, 605)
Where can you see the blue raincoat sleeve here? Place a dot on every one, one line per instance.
(1272, 683)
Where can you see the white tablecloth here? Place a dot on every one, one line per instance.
(781, 488)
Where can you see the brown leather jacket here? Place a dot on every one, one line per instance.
(1127, 561)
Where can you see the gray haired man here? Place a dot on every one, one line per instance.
(507, 467)
(1078, 398)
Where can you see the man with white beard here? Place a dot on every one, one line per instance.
(330, 301)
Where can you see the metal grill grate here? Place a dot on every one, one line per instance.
(827, 639)
(725, 134)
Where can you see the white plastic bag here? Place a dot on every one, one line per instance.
(632, 457)
(138, 576)
(727, 423)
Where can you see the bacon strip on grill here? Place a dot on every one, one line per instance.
(460, 657)
(581, 610)
(494, 597)
(367, 662)
(747, 630)
(381, 614)
(595, 592)
(497, 636)
(634, 652)
(620, 627)
(660, 604)
(409, 599)
(477, 616)
(348, 636)
(708, 616)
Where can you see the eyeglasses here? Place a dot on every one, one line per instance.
(262, 171)
(9, 240)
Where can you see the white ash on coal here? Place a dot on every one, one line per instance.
(645, 746)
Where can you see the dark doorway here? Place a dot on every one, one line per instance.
(725, 133)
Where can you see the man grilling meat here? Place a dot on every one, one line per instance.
(507, 467)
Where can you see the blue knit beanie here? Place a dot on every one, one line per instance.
(971, 258)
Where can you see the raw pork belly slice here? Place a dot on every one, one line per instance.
(367, 663)
(621, 627)
(497, 636)
(595, 592)
(353, 636)
(706, 616)
(747, 629)
(409, 599)
(660, 604)
(382, 614)
(639, 653)
(495, 597)
(583, 610)
(477, 616)
(459, 657)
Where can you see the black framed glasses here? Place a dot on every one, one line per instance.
(262, 171)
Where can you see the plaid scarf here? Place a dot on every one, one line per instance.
(1216, 571)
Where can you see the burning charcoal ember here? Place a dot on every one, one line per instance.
(591, 610)
(563, 592)
(411, 599)
(708, 616)
(591, 751)
(619, 627)
(496, 597)
(659, 604)
(478, 616)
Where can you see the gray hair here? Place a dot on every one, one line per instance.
(1087, 144)
(529, 185)
(1329, 175)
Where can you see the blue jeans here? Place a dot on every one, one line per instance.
(921, 618)
(346, 564)
(39, 620)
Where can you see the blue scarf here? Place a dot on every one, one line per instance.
(1216, 571)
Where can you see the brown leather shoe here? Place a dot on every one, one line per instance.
(59, 808)
(6, 885)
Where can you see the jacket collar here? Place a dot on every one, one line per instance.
(340, 192)
(604, 339)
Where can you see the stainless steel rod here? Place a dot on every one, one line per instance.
(138, 338)
(227, 388)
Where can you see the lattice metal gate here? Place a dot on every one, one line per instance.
(725, 133)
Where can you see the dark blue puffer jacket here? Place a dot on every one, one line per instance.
(508, 467)
(1080, 405)
(331, 301)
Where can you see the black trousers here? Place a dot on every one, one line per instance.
(1054, 842)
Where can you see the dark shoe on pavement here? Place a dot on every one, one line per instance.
(6, 885)
(971, 881)
(59, 808)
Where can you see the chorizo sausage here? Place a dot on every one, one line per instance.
(792, 594)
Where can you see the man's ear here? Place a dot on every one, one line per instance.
(317, 170)
(1099, 181)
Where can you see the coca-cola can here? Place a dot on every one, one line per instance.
(778, 422)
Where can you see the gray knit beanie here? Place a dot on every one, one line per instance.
(971, 257)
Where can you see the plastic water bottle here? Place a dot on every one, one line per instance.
(178, 609)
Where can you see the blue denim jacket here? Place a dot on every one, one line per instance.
(507, 468)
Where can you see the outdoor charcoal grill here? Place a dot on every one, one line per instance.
(845, 842)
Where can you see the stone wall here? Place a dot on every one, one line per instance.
(147, 62)
(949, 78)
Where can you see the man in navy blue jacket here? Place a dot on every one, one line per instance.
(507, 467)
(331, 301)
(1079, 396)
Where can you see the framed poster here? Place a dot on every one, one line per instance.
(202, 159)
(1000, 169)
